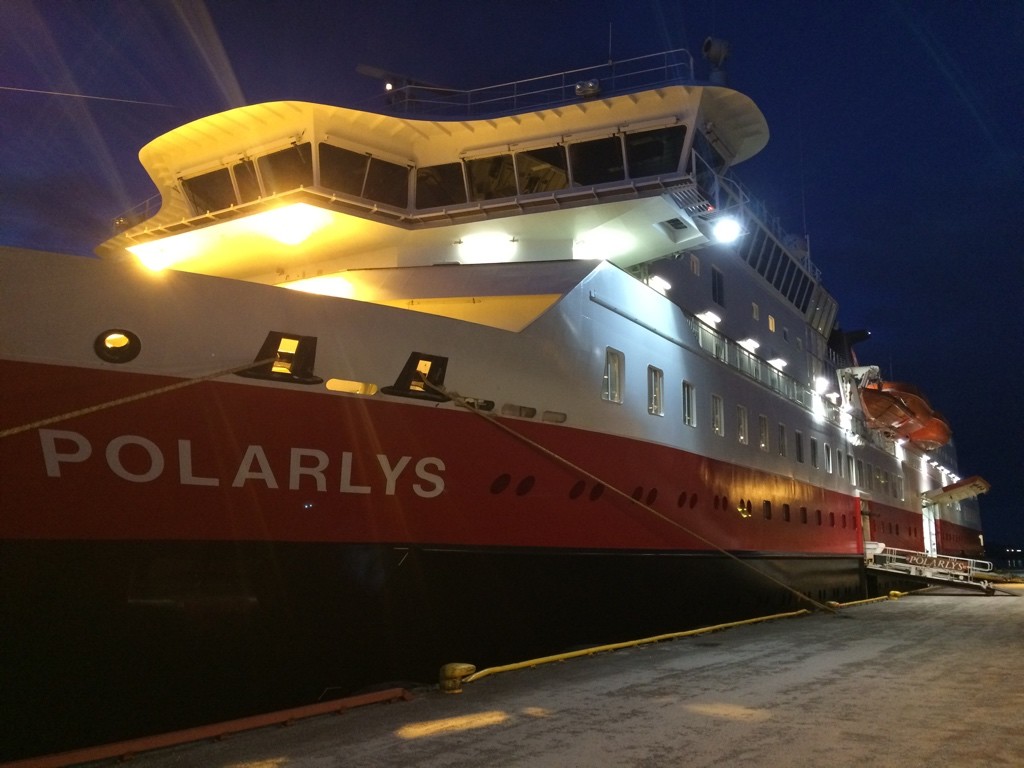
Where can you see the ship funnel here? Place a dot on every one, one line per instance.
(716, 51)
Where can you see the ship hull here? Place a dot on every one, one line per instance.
(110, 640)
(181, 544)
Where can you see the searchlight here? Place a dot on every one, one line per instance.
(726, 230)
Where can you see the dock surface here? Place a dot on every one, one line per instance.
(928, 679)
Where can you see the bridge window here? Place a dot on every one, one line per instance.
(542, 170)
(387, 183)
(597, 162)
(438, 185)
(211, 191)
(246, 181)
(491, 177)
(651, 153)
(287, 169)
(342, 169)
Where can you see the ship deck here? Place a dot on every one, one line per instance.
(929, 678)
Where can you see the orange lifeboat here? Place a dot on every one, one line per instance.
(933, 434)
(900, 410)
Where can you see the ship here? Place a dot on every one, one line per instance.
(468, 377)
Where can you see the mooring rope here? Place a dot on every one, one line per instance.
(462, 402)
(131, 398)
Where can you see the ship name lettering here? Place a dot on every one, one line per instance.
(307, 467)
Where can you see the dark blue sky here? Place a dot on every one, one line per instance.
(897, 141)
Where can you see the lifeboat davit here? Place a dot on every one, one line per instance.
(900, 410)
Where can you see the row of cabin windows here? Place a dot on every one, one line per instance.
(820, 455)
(545, 169)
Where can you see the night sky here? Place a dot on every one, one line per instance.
(897, 142)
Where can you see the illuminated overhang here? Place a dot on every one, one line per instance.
(262, 242)
(967, 488)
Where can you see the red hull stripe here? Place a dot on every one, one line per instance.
(229, 460)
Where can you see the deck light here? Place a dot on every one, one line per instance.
(750, 345)
(726, 230)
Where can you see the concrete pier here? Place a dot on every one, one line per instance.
(935, 678)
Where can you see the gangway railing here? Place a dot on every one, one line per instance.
(922, 565)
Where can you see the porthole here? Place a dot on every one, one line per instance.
(637, 493)
(596, 491)
(117, 345)
(525, 485)
(577, 490)
(681, 501)
(500, 483)
(651, 496)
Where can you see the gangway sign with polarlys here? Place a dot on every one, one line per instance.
(932, 569)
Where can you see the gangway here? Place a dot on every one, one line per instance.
(931, 569)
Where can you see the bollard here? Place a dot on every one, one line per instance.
(451, 676)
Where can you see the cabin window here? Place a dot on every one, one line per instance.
(287, 169)
(782, 439)
(342, 169)
(859, 480)
(898, 486)
(542, 170)
(387, 183)
(695, 264)
(717, 415)
(803, 514)
(211, 191)
(652, 153)
(117, 346)
(597, 162)
(771, 323)
(798, 444)
(285, 357)
(814, 452)
(828, 458)
(491, 177)
(839, 463)
(438, 185)
(742, 433)
(766, 509)
(717, 287)
(785, 512)
(755, 311)
(655, 391)
(817, 516)
(762, 432)
(422, 377)
(614, 375)
(689, 405)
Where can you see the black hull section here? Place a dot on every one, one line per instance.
(104, 641)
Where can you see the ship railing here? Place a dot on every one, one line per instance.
(137, 213)
(732, 354)
(923, 564)
(649, 71)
